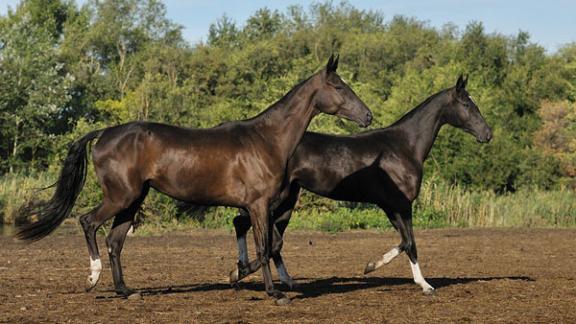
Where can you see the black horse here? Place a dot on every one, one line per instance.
(239, 164)
(383, 167)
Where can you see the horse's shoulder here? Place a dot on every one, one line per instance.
(403, 169)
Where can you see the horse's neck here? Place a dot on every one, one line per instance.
(284, 123)
(422, 125)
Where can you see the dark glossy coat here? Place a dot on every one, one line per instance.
(383, 167)
(239, 164)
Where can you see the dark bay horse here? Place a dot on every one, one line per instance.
(383, 167)
(239, 164)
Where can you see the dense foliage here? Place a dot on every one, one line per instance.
(66, 69)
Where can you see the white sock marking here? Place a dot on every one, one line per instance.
(419, 279)
(390, 255)
(243, 251)
(95, 269)
(386, 258)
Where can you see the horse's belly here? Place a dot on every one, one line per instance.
(199, 185)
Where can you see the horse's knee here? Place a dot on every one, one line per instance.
(406, 246)
(410, 248)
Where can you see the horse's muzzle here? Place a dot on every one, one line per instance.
(486, 137)
(367, 120)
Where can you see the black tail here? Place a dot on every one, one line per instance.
(52, 213)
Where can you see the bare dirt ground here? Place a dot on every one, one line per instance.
(485, 275)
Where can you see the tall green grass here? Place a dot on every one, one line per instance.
(439, 205)
(455, 206)
(15, 190)
(443, 205)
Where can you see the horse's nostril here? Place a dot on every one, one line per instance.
(369, 117)
(489, 135)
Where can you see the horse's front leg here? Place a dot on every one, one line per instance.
(260, 219)
(390, 255)
(404, 223)
(282, 215)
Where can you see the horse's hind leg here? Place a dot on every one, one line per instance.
(115, 242)
(90, 223)
(244, 267)
(241, 226)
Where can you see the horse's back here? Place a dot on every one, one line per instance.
(199, 165)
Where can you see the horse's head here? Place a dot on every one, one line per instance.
(463, 113)
(335, 97)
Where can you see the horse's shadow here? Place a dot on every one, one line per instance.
(313, 288)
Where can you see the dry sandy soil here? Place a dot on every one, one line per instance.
(484, 275)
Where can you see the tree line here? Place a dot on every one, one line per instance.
(67, 68)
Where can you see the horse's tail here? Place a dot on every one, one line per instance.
(51, 213)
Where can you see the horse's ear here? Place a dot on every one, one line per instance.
(332, 64)
(461, 83)
(335, 65)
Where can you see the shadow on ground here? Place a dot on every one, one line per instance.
(312, 288)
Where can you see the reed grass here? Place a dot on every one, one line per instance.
(439, 205)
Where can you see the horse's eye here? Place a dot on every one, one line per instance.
(338, 88)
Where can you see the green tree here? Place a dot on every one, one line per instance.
(34, 86)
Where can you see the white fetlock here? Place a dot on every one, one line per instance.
(386, 258)
(95, 270)
(234, 275)
(426, 288)
(390, 255)
(419, 279)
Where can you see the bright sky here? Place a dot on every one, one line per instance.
(550, 23)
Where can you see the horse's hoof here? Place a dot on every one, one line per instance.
(135, 296)
(235, 286)
(429, 291)
(234, 277)
(371, 266)
(90, 284)
(283, 301)
(125, 292)
(292, 285)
